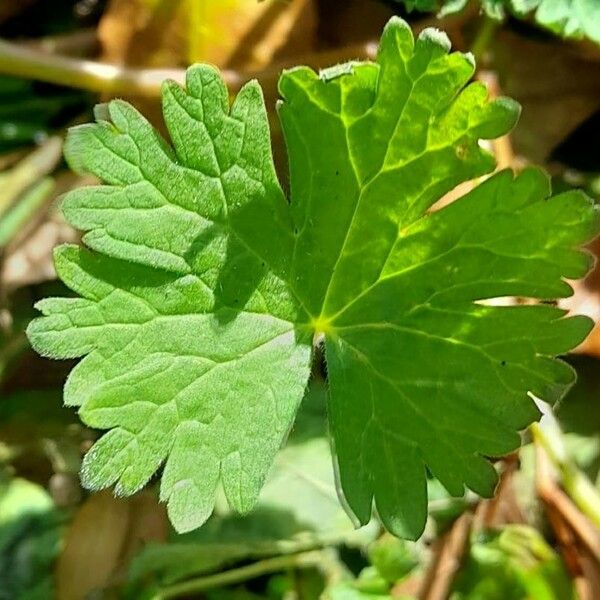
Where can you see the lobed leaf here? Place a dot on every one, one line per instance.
(204, 289)
(193, 358)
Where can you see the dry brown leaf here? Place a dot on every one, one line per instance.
(93, 546)
(28, 259)
(147, 523)
(243, 34)
(586, 301)
(136, 33)
(32, 262)
(557, 85)
(578, 538)
(447, 559)
(286, 30)
(102, 538)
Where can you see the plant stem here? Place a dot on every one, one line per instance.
(113, 80)
(90, 75)
(574, 481)
(11, 349)
(28, 171)
(16, 218)
(483, 38)
(270, 565)
(77, 43)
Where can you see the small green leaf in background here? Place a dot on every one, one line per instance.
(420, 5)
(575, 19)
(30, 535)
(568, 18)
(204, 292)
(394, 559)
(347, 591)
(391, 561)
(512, 564)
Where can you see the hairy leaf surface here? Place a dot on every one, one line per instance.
(205, 290)
(193, 356)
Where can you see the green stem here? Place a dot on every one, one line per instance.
(36, 165)
(82, 42)
(574, 481)
(484, 36)
(29, 204)
(30, 63)
(270, 565)
(11, 349)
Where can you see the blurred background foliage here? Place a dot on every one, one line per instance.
(538, 538)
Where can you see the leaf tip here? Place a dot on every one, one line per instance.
(397, 38)
(438, 38)
(76, 146)
(470, 58)
(32, 331)
(184, 513)
(101, 112)
(292, 79)
(407, 527)
(510, 106)
(396, 24)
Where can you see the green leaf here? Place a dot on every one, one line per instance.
(567, 18)
(391, 561)
(420, 5)
(394, 559)
(347, 591)
(297, 510)
(431, 375)
(204, 289)
(20, 498)
(512, 564)
(193, 353)
(451, 7)
(31, 531)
